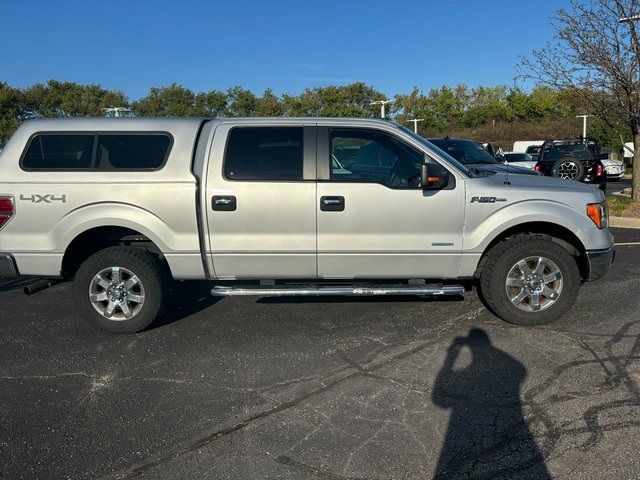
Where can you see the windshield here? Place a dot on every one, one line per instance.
(558, 151)
(465, 151)
(436, 149)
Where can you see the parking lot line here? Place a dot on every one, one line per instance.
(628, 244)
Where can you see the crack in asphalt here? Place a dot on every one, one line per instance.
(416, 346)
(540, 414)
(94, 377)
(318, 472)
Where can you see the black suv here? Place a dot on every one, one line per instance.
(572, 160)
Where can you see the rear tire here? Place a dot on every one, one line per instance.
(529, 280)
(120, 289)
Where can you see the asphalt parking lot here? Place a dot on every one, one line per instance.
(614, 187)
(330, 388)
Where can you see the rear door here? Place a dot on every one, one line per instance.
(261, 201)
(374, 221)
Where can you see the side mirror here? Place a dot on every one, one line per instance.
(433, 180)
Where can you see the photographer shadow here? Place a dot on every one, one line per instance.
(487, 436)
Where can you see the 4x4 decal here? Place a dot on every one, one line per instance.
(47, 198)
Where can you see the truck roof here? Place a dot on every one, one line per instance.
(107, 123)
(144, 123)
(184, 131)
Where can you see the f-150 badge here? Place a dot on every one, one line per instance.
(487, 199)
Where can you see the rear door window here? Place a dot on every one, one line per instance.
(264, 153)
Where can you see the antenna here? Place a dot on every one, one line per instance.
(506, 177)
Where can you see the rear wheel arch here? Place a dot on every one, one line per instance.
(95, 239)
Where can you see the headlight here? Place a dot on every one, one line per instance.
(599, 214)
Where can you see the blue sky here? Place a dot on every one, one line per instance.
(285, 45)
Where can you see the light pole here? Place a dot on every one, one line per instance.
(584, 124)
(382, 103)
(415, 123)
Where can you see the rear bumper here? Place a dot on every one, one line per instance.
(600, 262)
(8, 267)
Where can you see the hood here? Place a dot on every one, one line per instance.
(540, 186)
(501, 167)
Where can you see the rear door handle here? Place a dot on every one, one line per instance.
(224, 203)
(332, 204)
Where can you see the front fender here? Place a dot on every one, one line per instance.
(481, 230)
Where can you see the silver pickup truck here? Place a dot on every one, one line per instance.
(285, 206)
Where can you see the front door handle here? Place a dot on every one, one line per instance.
(224, 203)
(332, 204)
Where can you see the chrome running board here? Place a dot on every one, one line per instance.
(354, 290)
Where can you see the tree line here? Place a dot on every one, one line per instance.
(499, 114)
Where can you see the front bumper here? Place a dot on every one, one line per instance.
(600, 262)
(614, 175)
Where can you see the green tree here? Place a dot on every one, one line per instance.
(211, 104)
(172, 101)
(241, 102)
(269, 105)
(353, 100)
(596, 56)
(12, 103)
(486, 104)
(69, 99)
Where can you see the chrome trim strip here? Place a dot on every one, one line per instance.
(276, 291)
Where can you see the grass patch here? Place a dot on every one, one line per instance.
(619, 205)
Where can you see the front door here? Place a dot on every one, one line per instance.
(374, 221)
(261, 195)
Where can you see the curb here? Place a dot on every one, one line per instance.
(624, 222)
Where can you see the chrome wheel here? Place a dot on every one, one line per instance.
(568, 170)
(534, 284)
(116, 293)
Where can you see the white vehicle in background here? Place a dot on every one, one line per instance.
(629, 150)
(614, 169)
(612, 166)
(521, 146)
(519, 159)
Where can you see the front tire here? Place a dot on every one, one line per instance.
(529, 280)
(120, 289)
